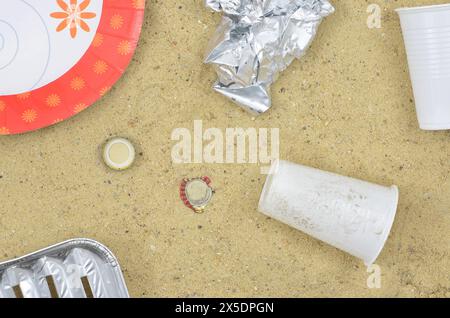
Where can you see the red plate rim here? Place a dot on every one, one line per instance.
(91, 78)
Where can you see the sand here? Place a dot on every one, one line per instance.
(346, 107)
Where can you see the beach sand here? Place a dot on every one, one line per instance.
(346, 107)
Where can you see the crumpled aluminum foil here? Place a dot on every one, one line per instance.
(258, 39)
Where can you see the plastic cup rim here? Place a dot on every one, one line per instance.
(435, 127)
(267, 185)
(423, 9)
(390, 222)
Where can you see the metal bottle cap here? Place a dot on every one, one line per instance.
(119, 154)
(196, 193)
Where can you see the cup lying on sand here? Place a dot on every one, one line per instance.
(426, 32)
(352, 215)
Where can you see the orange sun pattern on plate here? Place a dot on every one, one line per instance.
(29, 115)
(79, 107)
(124, 48)
(24, 96)
(77, 83)
(116, 21)
(104, 90)
(139, 4)
(100, 67)
(53, 100)
(90, 79)
(98, 40)
(73, 16)
(4, 131)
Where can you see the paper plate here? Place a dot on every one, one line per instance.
(57, 57)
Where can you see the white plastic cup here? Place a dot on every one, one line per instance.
(352, 215)
(426, 31)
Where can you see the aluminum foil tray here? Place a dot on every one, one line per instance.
(79, 268)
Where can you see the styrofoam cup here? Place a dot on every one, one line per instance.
(352, 215)
(426, 32)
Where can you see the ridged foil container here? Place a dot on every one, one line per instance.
(258, 39)
(78, 268)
